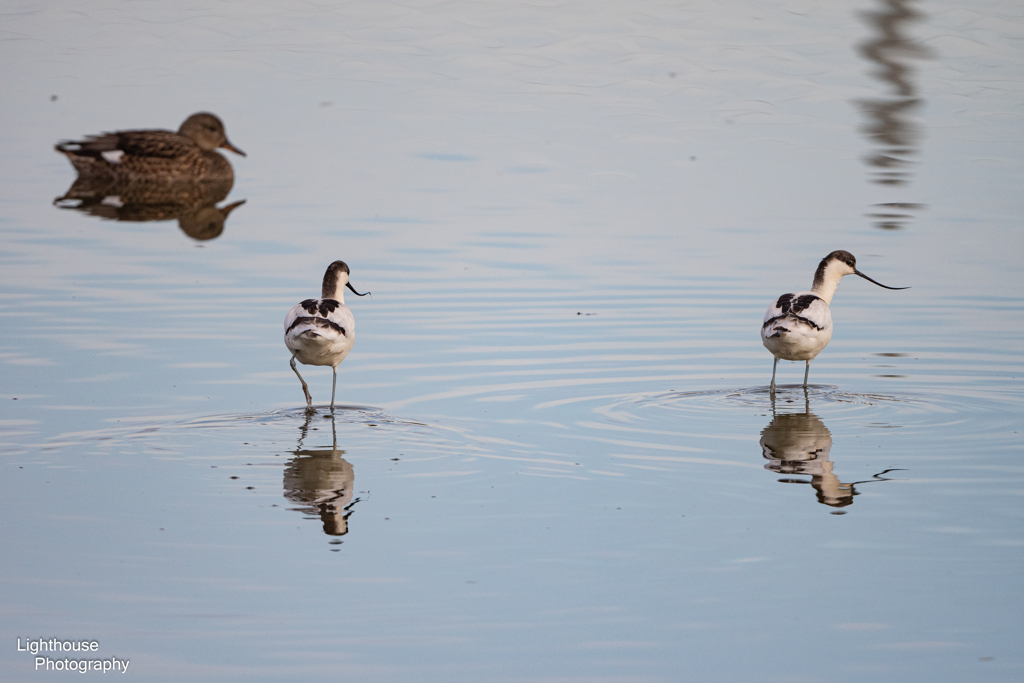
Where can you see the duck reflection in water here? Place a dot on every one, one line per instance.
(192, 204)
(321, 482)
(800, 443)
(155, 175)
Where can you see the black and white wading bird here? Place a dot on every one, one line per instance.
(798, 326)
(322, 331)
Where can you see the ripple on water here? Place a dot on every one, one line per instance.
(831, 439)
(319, 463)
(974, 417)
(367, 428)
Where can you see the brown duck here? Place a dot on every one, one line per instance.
(155, 155)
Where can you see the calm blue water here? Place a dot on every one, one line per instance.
(555, 458)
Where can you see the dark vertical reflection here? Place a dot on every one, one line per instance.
(891, 125)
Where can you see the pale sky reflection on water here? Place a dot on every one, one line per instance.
(556, 458)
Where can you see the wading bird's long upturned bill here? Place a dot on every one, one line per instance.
(127, 156)
(798, 326)
(322, 331)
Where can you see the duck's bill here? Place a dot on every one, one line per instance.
(349, 285)
(231, 207)
(877, 283)
(227, 145)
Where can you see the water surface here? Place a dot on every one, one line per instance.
(555, 457)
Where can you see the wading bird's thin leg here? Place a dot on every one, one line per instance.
(334, 383)
(305, 388)
(807, 370)
(774, 366)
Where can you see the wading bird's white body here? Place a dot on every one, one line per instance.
(798, 326)
(322, 331)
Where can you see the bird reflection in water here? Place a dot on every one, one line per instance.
(321, 482)
(891, 124)
(192, 204)
(800, 443)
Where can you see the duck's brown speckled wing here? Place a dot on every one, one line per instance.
(159, 144)
(154, 143)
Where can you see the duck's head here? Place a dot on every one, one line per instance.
(335, 279)
(208, 222)
(207, 131)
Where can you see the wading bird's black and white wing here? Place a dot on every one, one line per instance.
(791, 311)
(323, 317)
